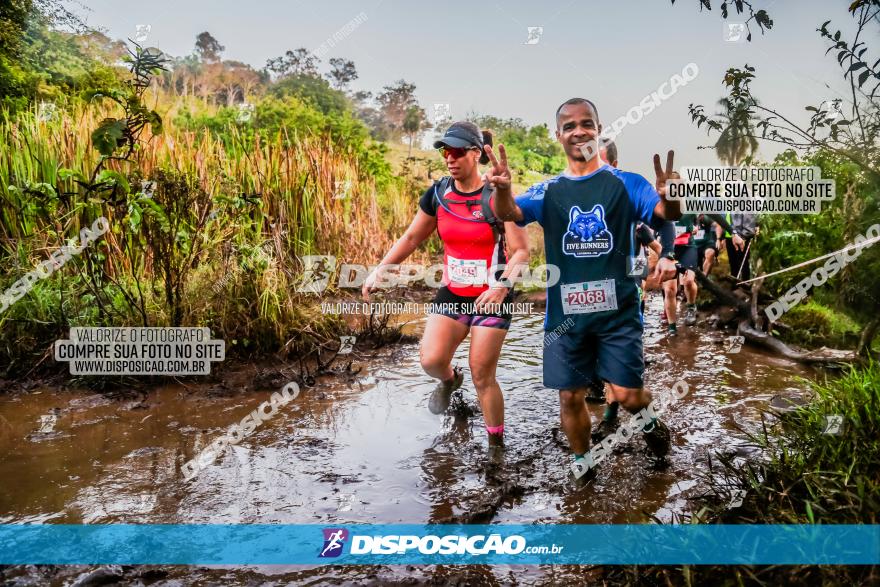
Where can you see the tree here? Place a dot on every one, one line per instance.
(297, 63)
(208, 48)
(829, 136)
(414, 122)
(736, 142)
(342, 73)
(236, 80)
(394, 102)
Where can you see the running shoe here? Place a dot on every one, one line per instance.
(659, 440)
(690, 316)
(583, 475)
(438, 403)
(605, 428)
(672, 329)
(663, 318)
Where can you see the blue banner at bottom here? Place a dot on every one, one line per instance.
(263, 544)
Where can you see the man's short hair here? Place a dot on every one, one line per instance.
(576, 101)
(611, 151)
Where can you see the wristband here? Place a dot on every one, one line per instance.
(670, 255)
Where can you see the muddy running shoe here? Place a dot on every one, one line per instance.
(605, 428)
(495, 455)
(663, 319)
(659, 440)
(690, 316)
(672, 329)
(438, 403)
(579, 475)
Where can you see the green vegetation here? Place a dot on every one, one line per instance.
(812, 325)
(532, 151)
(821, 461)
(845, 145)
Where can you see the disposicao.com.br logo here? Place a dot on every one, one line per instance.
(431, 544)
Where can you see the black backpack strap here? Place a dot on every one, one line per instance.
(489, 214)
(440, 191)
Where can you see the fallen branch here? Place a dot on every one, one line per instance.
(823, 355)
(722, 295)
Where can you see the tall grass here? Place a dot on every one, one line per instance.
(298, 194)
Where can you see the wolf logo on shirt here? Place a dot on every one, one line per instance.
(587, 234)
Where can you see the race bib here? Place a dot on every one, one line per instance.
(589, 297)
(700, 234)
(680, 230)
(467, 271)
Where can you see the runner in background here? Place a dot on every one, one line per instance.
(691, 233)
(458, 207)
(744, 227)
(686, 255)
(708, 244)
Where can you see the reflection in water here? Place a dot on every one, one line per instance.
(370, 451)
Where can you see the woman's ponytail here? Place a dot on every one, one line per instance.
(487, 140)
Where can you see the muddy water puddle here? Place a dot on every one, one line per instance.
(366, 449)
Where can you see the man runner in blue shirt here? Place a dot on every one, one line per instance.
(589, 214)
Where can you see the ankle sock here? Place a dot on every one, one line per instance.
(497, 430)
(610, 412)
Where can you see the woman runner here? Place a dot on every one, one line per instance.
(478, 271)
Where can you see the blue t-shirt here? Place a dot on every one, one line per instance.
(589, 234)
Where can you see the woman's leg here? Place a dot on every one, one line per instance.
(486, 343)
(442, 336)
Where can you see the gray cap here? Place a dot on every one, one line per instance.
(461, 136)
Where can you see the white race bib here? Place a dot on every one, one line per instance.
(680, 230)
(700, 234)
(588, 297)
(467, 271)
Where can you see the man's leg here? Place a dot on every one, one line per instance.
(670, 289)
(575, 419)
(570, 366)
(638, 401)
(620, 361)
(690, 287)
(708, 260)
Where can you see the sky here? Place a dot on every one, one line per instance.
(474, 55)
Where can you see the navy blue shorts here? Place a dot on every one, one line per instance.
(584, 359)
(687, 256)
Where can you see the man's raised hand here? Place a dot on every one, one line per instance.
(663, 175)
(498, 176)
(668, 209)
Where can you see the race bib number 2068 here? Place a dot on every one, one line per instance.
(588, 297)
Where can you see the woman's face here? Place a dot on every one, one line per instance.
(461, 163)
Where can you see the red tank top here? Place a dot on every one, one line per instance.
(469, 248)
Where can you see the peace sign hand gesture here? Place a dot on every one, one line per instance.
(498, 176)
(664, 175)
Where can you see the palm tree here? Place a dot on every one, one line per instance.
(737, 141)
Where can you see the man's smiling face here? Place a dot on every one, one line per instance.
(576, 126)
